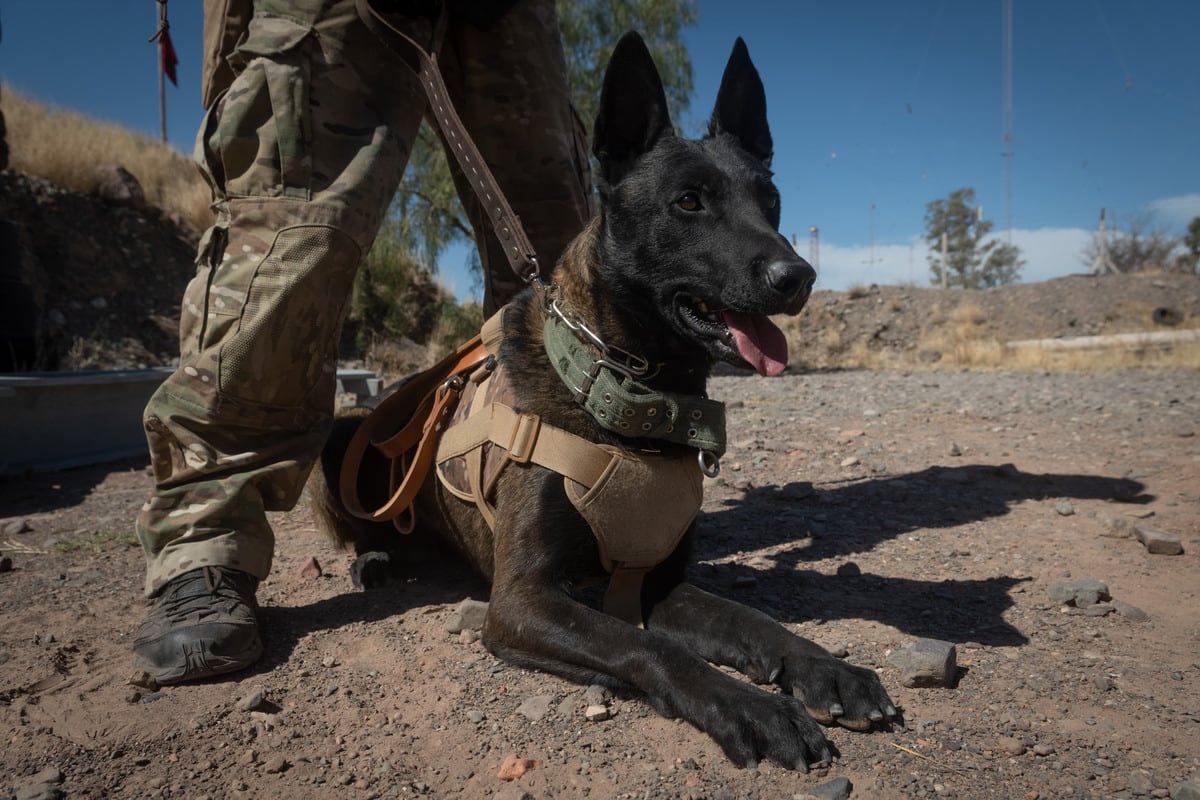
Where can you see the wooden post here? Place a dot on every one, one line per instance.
(945, 262)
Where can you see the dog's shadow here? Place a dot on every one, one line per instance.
(853, 518)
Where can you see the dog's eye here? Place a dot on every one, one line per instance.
(689, 201)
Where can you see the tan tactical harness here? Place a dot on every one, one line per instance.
(638, 505)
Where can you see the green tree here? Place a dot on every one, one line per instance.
(973, 260)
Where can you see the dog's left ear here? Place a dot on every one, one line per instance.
(633, 112)
(741, 107)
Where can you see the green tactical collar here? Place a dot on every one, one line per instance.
(609, 392)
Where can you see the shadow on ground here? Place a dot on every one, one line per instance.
(842, 520)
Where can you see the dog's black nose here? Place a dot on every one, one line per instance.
(793, 278)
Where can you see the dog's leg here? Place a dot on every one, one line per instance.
(734, 635)
(534, 624)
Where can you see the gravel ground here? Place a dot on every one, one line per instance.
(864, 510)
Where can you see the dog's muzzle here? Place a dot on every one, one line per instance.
(793, 278)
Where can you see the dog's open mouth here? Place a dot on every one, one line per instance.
(737, 337)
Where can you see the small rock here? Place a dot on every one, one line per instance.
(536, 708)
(1158, 542)
(849, 461)
(1010, 745)
(849, 570)
(1115, 527)
(1102, 682)
(1043, 749)
(925, 663)
(929, 356)
(310, 568)
(99, 303)
(1099, 610)
(839, 651)
(596, 713)
(143, 680)
(468, 636)
(512, 793)
(836, 789)
(329, 662)
(16, 527)
(1078, 593)
(1131, 613)
(468, 615)
(954, 450)
(252, 701)
(5, 564)
(1064, 509)
(38, 791)
(1186, 790)
(275, 765)
(476, 716)
(513, 767)
(596, 695)
(51, 774)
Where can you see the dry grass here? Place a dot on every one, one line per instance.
(66, 147)
(964, 339)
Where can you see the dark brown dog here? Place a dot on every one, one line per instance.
(680, 268)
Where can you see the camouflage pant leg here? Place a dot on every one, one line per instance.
(509, 84)
(303, 166)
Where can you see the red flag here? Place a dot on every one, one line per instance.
(167, 60)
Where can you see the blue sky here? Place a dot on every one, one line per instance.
(872, 104)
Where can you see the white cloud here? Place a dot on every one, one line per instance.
(1047, 252)
(1179, 210)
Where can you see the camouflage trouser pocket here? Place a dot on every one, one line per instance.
(284, 350)
(259, 144)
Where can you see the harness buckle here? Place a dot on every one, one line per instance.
(524, 437)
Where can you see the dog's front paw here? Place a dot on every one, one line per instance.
(750, 725)
(835, 692)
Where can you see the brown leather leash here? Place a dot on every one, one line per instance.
(407, 426)
(505, 222)
(422, 409)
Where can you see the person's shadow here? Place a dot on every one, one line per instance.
(799, 525)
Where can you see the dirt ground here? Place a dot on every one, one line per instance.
(864, 510)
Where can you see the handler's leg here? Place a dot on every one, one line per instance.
(509, 83)
(303, 164)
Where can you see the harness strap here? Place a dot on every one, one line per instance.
(421, 408)
(517, 247)
(526, 440)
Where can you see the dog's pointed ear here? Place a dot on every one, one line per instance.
(741, 107)
(633, 112)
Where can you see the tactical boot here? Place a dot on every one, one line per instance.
(203, 623)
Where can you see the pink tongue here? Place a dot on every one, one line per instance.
(759, 341)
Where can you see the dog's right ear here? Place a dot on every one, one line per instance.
(633, 112)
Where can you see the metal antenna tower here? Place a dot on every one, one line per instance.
(1007, 153)
(814, 247)
(1103, 265)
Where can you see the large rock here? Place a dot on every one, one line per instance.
(926, 663)
(1078, 593)
(118, 186)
